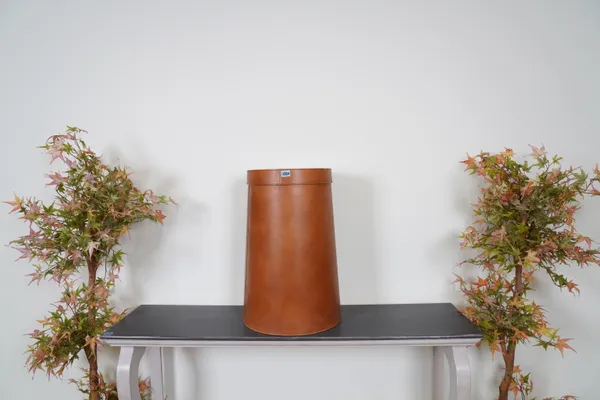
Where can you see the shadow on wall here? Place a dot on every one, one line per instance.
(143, 247)
(463, 192)
(569, 313)
(147, 238)
(355, 239)
(237, 251)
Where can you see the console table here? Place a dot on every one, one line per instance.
(150, 328)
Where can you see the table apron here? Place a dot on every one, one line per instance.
(288, 343)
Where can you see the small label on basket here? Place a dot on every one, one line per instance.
(286, 173)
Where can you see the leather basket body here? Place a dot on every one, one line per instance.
(291, 286)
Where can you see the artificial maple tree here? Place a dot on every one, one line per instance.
(74, 242)
(524, 224)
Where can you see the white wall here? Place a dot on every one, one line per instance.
(389, 94)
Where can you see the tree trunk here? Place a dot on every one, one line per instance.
(509, 353)
(91, 354)
(91, 350)
(519, 287)
(509, 365)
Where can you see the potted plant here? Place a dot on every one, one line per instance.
(74, 242)
(524, 225)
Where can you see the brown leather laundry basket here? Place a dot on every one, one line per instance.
(291, 262)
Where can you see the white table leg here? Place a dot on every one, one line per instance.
(154, 355)
(460, 373)
(127, 372)
(438, 373)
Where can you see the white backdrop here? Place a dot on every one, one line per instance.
(389, 94)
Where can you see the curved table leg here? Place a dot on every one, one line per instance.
(127, 373)
(154, 355)
(460, 372)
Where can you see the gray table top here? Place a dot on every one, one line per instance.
(223, 323)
